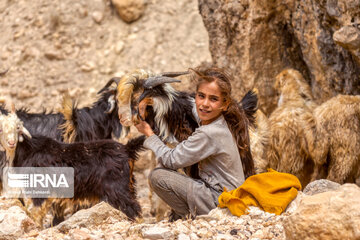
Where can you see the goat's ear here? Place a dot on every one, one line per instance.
(24, 131)
(111, 101)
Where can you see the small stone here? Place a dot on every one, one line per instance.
(88, 67)
(79, 234)
(32, 233)
(18, 34)
(233, 232)
(223, 237)
(119, 47)
(183, 236)
(53, 55)
(157, 233)
(258, 234)
(193, 236)
(348, 37)
(97, 16)
(129, 10)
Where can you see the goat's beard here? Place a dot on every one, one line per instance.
(162, 107)
(10, 155)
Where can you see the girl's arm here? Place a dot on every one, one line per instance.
(196, 148)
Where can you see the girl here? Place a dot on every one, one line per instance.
(218, 146)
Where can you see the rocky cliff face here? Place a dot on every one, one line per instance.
(257, 39)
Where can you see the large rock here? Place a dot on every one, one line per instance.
(320, 186)
(94, 216)
(291, 208)
(14, 223)
(257, 39)
(327, 215)
(349, 38)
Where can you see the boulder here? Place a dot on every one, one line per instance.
(94, 216)
(257, 39)
(328, 215)
(14, 222)
(320, 186)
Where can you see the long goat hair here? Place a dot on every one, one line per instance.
(250, 105)
(90, 123)
(170, 114)
(102, 168)
(73, 125)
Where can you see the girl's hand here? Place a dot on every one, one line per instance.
(144, 128)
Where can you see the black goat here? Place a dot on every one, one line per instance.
(100, 121)
(102, 168)
(88, 123)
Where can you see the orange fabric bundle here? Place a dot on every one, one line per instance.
(271, 191)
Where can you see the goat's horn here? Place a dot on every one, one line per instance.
(155, 81)
(25, 132)
(173, 74)
(108, 84)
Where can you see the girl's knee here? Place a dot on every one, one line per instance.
(157, 177)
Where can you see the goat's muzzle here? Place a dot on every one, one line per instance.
(11, 144)
(125, 119)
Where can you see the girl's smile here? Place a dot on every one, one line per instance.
(209, 102)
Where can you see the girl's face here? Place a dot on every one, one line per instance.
(209, 102)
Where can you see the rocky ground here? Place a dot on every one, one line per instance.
(51, 47)
(313, 214)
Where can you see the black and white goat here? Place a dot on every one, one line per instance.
(150, 97)
(71, 124)
(102, 168)
(169, 112)
(100, 121)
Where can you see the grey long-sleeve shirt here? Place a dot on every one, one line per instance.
(213, 147)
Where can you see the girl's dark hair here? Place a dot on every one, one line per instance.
(234, 115)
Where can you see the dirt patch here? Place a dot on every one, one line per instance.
(51, 47)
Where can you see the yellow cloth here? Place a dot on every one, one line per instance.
(271, 191)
